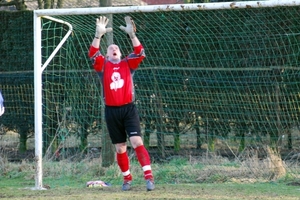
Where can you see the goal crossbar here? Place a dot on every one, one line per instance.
(166, 8)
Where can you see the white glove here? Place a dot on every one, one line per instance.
(130, 28)
(101, 23)
(2, 109)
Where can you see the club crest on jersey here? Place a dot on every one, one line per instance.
(117, 81)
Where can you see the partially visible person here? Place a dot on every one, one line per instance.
(121, 114)
(2, 109)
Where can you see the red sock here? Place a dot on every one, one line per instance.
(123, 162)
(144, 159)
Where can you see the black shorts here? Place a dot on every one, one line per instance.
(122, 121)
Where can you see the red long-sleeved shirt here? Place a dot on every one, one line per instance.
(117, 78)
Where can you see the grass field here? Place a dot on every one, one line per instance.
(177, 179)
(15, 189)
(202, 177)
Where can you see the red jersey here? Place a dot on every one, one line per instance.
(117, 78)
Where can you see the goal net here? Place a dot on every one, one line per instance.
(218, 79)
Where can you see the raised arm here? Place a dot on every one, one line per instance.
(94, 53)
(101, 29)
(130, 29)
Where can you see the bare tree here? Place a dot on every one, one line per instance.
(50, 4)
(107, 147)
(105, 3)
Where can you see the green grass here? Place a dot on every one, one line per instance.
(21, 189)
(178, 178)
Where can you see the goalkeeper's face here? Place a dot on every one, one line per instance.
(113, 52)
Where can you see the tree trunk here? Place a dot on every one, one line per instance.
(107, 150)
(290, 142)
(105, 3)
(275, 133)
(47, 4)
(108, 156)
(176, 136)
(60, 3)
(84, 139)
(211, 142)
(40, 4)
(242, 141)
(161, 141)
(20, 5)
(22, 140)
(147, 133)
(160, 124)
(198, 134)
(160, 129)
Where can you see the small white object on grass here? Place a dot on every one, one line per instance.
(97, 184)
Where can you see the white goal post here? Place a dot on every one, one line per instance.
(39, 67)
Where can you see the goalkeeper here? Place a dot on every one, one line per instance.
(121, 114)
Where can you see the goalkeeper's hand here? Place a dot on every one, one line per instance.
(101, 29)
(130, 28)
